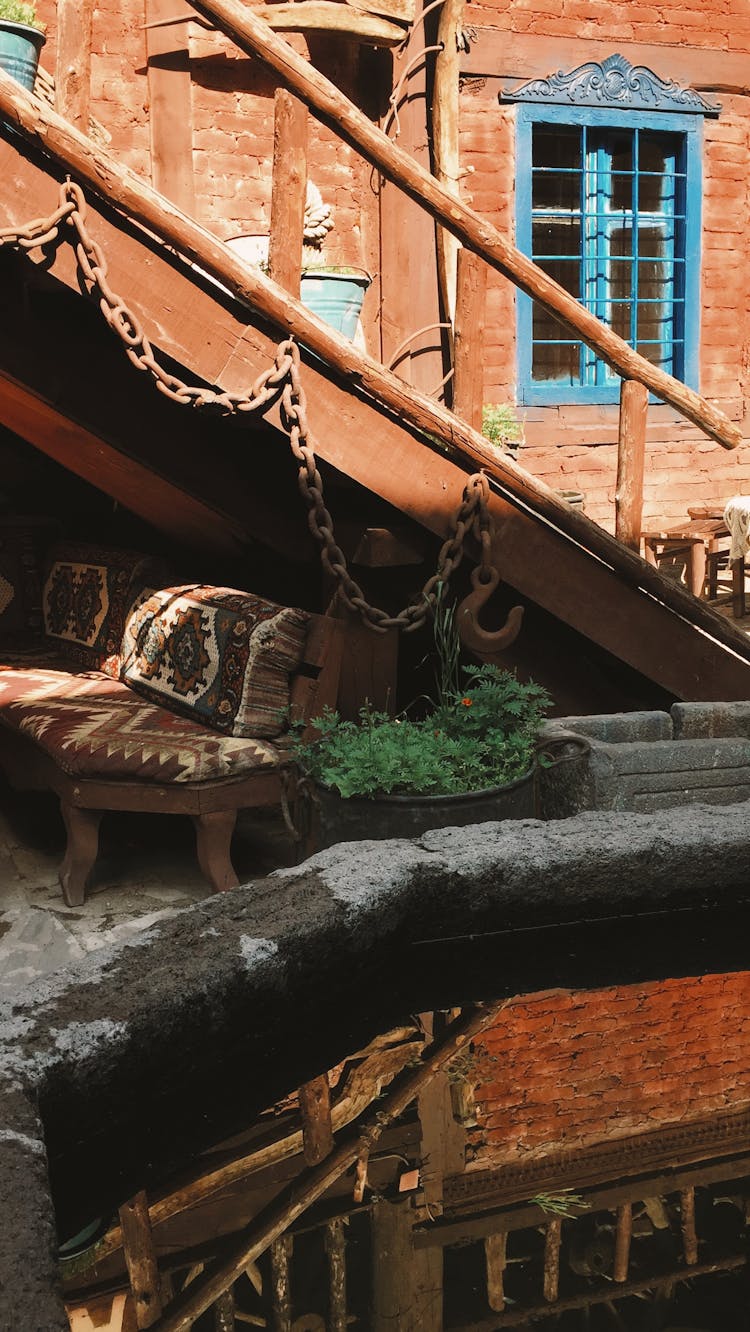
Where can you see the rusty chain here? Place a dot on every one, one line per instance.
(281, 380)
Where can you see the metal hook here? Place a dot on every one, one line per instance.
(473, 636)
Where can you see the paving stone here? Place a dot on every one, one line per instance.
(33, 943)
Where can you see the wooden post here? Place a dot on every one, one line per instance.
(631, 450)
(552, 1258)
(315, 1108)
(623, 1232)
(445, 142)
(170, 104)
(689, 1236)
(495, 1247)
(288, 190)
(468, 350)
(141, 1262)
(281, 1299)
(336, 1251)
(73, 63)
(223, 1311)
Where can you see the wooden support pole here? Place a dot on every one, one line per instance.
(317, 1130)
(333, 108)
(445, 140)
(552, 1238)
(223, 1311)
(495, 1249)
(689, 1236)
(140, 1258)
(280, 1214)
(170, 103)
(73, 63)
(631, 452)
(623, 1232)
(288, 190)
(336, 1251)
(468, 340)
(281, 1297)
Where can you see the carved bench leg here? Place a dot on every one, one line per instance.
(82, 826)
(213, 834)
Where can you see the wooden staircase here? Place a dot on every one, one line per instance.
(203, 310)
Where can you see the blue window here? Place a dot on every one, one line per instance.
(608, 203)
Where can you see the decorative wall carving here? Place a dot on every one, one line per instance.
(613, 83)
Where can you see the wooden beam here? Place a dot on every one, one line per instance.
(552, 1236)
(631, 451)
(73, 62)
(445, 99)
(332, 16)
(623, 1232)
(224, 1314)
(288, 190)
(336, 1252)
(474, 231)
(468, 341)
(315, 1108)
(143, 1270)
(170, 103)
(687, 1224)
(281, 1294)
(495, 1247)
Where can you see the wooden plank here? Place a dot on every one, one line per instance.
(687, 1225)
(631, 452)
(331, 16)
(315, 1108)
(170, 102)
(552, 1236)
(623, 1232)
(495, 1247)
(336, 1252)
(403, 11)
(468, 341)
(73, 61)
(445, 152)
(108, 1313)
(288, 190)
(143, 1270)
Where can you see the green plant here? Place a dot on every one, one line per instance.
(565, 1203)
(501, 426)
(480, 738)
(15, 11)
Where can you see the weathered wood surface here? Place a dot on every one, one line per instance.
(336, 1253)
(332, 16)
(140, 1257)
(623, 1233)
(73, 61)
(552, 1238)
(631, 455)
(210, 336)
(445, 140)
(281, 1293)
(495, 1255)
(288, 189)
(317, 1130)
(468, 334)
(687, 1221)
(171, 106)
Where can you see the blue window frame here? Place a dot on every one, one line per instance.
(609, 204)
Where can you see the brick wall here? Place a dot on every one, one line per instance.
(564, 1071)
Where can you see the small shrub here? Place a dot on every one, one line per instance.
(501, 426)
(15, 11)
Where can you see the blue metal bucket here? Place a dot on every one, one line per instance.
(335, 297)
(20, 48)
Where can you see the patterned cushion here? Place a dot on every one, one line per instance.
(93, 726)
(221, 657)
(88, 592)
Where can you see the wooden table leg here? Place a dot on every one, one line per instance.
(82, 826)
(738, 588)
(697, 568)
(213, 835)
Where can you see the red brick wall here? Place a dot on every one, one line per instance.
(563, 1071)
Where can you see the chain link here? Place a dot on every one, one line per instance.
(280, 382)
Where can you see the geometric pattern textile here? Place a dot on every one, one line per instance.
(93, 726)
(221, 657)
(88, 592)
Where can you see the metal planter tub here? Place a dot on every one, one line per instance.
(20, 48)
(335, 297)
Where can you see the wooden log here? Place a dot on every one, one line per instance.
(552, 1238)
(687, 1223)
(73, 62)
(474, 231)
(281, 1298)
(223, 1312)
(332, 16)
(623, 1232)
(288, 189)
(445, 139)
(468, 338)
(336, 1252)
(279, 1215)
(631, 451)
(143, 1270)
(170, 103)
(317, 1129)
(495, 1249)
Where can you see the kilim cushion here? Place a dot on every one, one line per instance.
(96, 727)
(88, 592)
(220, 656)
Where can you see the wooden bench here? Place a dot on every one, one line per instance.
(34, 697)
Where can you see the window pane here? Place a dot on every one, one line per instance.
(621, 242)
(620, 279)
(619, 147)
(655, 321)
(559, 362)
(657, 194)
(657, 354)
(556, 146)
(557, 239)
(565, 271)
(557, 189)
(657, 152)
(621, 198)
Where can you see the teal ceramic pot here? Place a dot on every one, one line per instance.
(20, 48)
(335, 297)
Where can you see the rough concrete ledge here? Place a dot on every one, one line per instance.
(215, 1011)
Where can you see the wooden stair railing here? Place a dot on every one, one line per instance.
(121, 189)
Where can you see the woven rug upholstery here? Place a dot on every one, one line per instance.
(96, 727)
(88, 593)
(219, 656)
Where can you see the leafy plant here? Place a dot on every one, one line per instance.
(501, 426)
(15, 11)
(480, 738)
(565, 1203)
